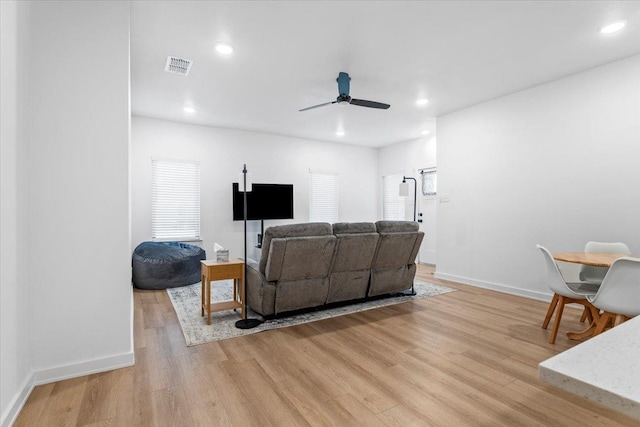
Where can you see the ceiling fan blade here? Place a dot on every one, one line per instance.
(370, 104)
(318, 106)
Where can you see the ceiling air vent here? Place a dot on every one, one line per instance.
(178, 65)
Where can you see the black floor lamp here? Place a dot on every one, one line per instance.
(245, 323)
(404, 191)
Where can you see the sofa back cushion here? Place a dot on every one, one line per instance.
(352, 266)
(398, 244)
(355, 251)
(394, 250)
(296, 258)
(290, 230)
(357, 242)
(396, 226)
(353, 227)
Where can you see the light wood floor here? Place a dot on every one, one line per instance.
(462, 359)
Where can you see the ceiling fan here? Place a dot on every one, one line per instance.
(343, 97)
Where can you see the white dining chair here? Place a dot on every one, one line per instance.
(619, 294)
(563, 293)
(594, 275)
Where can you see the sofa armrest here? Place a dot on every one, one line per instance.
(260, 292)
(416, 248)
(254, 277)
(275, 259)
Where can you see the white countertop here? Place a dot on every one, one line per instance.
(605, 369)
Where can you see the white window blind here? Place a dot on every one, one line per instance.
(429, 182)
(175, 200)
(393, 205)
(323, 202)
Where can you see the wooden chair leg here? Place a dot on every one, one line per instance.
(619, 319)
(552, 307)
(603, 321)
(556, 325)
(594, 313)
(586, 315)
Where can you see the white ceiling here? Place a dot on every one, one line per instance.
(288, 55)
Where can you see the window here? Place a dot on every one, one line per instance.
(175, 200)
(429, 182)
(323, 202)
(393, 205)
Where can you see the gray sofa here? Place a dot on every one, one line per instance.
(314, 264)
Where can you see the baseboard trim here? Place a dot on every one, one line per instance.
(88, 367)
(540, 296)
(60, 373)
(11, 413)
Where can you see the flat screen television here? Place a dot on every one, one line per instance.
(264, 201)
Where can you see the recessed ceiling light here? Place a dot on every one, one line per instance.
(224, 48)
(613, 27)
(340, 133)
(189, 110)
(426, 132)
(422, 101)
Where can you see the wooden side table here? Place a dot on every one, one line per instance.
(213, 270)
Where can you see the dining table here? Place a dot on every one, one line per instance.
(595, 259)
(588, 258)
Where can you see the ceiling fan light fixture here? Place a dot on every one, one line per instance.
(614, 27)
(224, 48)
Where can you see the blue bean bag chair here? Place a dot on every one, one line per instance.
(162, 265)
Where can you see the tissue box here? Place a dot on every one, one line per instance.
(222, 255)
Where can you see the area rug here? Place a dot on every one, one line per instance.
(186, 302)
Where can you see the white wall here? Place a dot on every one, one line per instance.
(78, 138)
(269, 158)
(65, 184)
(557, 164)
(407, 157)
(15, 319)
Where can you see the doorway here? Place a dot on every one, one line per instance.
(427, 215)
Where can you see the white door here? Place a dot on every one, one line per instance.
(427, 216)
